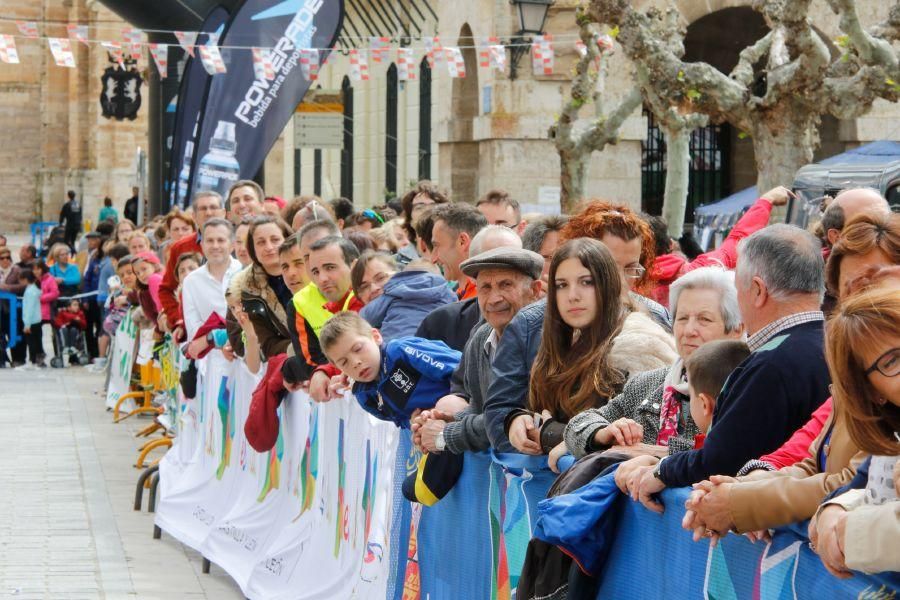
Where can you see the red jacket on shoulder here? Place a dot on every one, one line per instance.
(167, 297)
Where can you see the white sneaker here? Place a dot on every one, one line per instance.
(27, 367)
(99, 362)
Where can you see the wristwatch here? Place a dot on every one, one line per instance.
(656, 472)
(439, 441)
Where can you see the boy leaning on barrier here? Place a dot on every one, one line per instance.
(393, 381)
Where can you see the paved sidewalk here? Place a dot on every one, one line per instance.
(67, 480)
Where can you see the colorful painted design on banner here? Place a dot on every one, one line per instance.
(273, 464)
(412, 580)
(308, 468)
(226, 415)
(341, 516)
(500, 585)
(374, 550)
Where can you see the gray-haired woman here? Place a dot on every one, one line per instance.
(654, 406)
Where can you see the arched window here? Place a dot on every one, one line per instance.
(347, 149)
(425, 120)
(390, 131)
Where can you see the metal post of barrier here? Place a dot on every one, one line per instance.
(141, 484)
(205, 566)
(151, 500)
(14, 336)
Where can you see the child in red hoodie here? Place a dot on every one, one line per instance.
(71, 322)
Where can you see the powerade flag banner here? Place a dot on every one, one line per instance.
(194, 82)
(243, 115)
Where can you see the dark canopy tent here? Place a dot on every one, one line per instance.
(719, 217)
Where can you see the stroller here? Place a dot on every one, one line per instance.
(68, 340)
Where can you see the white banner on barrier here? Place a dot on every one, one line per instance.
(122, 361)
(308, 519)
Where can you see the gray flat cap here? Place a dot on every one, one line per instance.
(525, 261)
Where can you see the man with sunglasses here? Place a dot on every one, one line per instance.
(500, 209)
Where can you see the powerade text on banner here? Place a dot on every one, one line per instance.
(244, 115)
(194, 82)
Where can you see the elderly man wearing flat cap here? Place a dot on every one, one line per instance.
(507, 279)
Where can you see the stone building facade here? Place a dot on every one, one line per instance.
(55, 138)
(489, 131)
(471, 135)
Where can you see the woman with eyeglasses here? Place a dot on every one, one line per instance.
(858, 529)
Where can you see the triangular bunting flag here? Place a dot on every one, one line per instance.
(133, 40)
(309, 63)
(212, 59)
(160, 54)
(380, 47)
(262, 65)
(433, 51)
(62, 52)
(359, 65)
(28, 28)
(8, 53)
(456, 66)
(115, 50)
(406, 65)
(542, 55)
(78, 33)
(187, 40)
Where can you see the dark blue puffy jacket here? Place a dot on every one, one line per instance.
(415, 373)
(407, 299)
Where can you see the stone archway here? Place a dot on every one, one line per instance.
(461, 148)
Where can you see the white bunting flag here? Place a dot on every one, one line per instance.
(484, 51)
(211, 59)
(28, 28)
(309, 63)
(434, 51)
(542, 55)
(187, 40)
(133, 40)
(605, 43)
(380, 48)
(456, 66)
(8, 53)
(160, 54)
(262, 65)
(359, 65)
(78, 33)
(406, 64)
(580, 48)
(492, 54)
(115, 50)
(62, 52)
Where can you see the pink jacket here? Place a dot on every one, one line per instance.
(669, 267)
(49, 294)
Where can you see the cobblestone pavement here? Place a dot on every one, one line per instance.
(67, 481)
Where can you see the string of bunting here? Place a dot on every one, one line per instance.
(492, 53)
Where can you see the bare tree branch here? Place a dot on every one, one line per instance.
(870, 49)
(743, 72)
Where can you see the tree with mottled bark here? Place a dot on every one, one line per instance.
(576, 141)
(781, 85)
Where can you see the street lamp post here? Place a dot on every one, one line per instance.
(532, 15)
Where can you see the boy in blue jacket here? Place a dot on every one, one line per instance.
(393, 379)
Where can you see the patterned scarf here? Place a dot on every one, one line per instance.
(675, 388)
